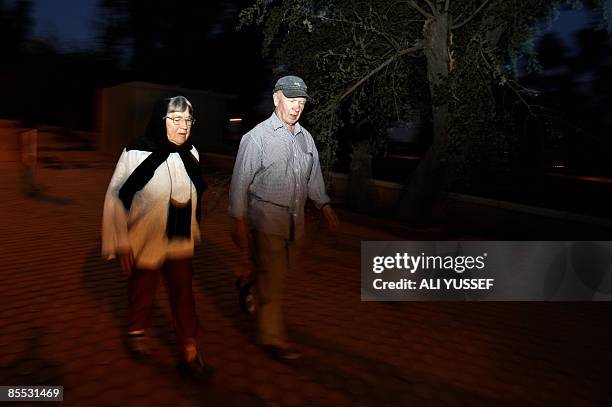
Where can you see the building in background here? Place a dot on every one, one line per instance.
(124, 110)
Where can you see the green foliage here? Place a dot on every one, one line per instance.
(606, 7)
(333, 45)
(365, 64)
(481, 132)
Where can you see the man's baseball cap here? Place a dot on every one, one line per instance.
(292, 87)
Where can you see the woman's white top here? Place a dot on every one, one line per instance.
(143, 228)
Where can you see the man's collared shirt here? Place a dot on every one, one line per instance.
(275, 172)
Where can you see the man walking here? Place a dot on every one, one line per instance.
(276, 170)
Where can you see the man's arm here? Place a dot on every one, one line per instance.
(330, 216)
(316, 192)
(248, 161)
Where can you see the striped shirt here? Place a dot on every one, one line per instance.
(275, 172)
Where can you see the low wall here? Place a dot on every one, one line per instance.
(124, 111)
(18, 144)
(366, 194)
(473, 212)
(517, 220)
(9, 144)
(465, 211)
(9, 123)
(225, 162)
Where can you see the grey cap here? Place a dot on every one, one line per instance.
(292, 87)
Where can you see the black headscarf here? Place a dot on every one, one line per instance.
(155, 139)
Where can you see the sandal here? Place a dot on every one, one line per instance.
(196, 369)
(137, 345)
(246, 298)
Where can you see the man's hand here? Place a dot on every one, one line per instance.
(126, 261)
(240, 233)
(330, 217)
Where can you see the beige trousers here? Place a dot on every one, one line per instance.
(274, 257)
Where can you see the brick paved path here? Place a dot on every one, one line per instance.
(62, 307)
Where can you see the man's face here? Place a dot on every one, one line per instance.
(178, 133)
(288, 109)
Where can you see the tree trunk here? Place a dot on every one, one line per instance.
(428, 180)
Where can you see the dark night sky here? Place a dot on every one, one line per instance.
(568, 23)
(72, 22)
(71, 25)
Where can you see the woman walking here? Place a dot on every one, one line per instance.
(150, 225)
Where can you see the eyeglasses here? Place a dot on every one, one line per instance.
(177, 121)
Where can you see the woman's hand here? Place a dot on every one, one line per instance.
(240, 233)
(126, 261)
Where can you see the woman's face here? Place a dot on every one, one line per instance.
(178, 127)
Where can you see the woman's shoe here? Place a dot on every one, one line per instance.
(282, 353)
(196, 369)
(246, 299)
(137, 345)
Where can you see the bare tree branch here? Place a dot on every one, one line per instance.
(374, 72)
(420, 10)
(467, 20)
(432, 7)
(516, 88)
(447, 6)
(370, 28)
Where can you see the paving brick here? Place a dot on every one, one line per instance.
(63, 309)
